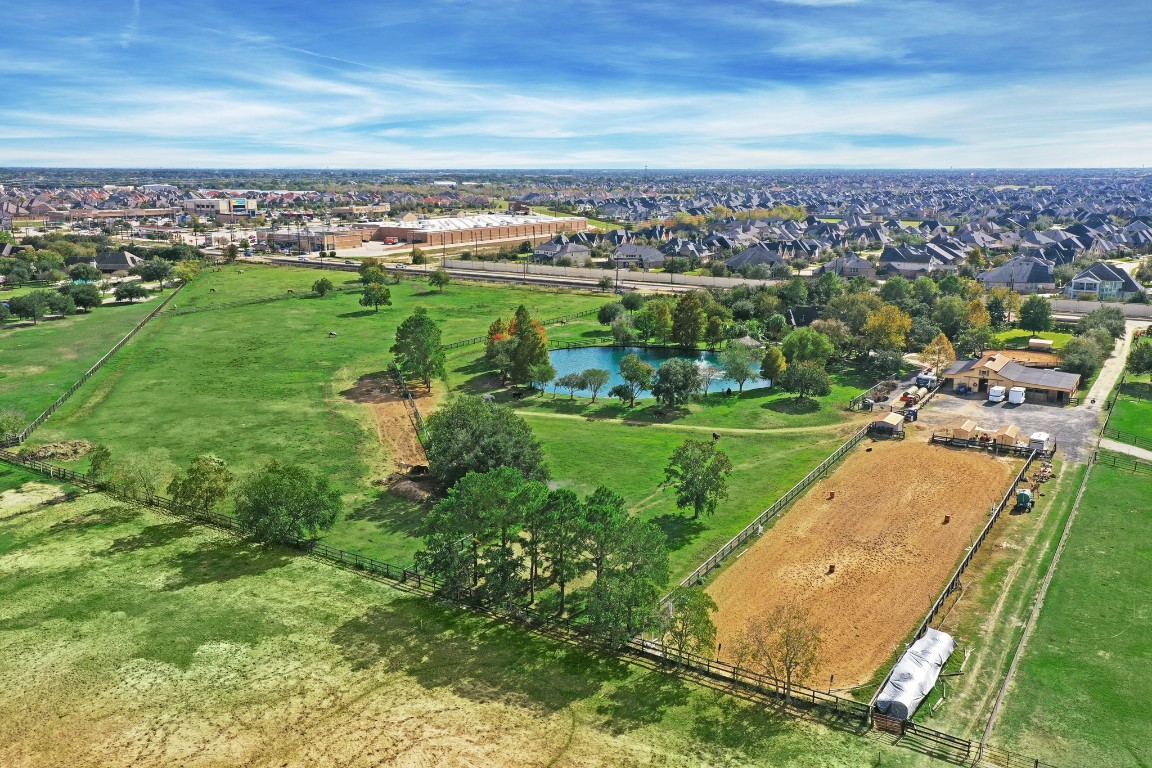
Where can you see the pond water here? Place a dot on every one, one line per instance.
(567, 361)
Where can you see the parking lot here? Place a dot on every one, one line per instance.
(1073, 427)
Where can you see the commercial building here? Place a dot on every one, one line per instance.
(222, 206)
(478, 230)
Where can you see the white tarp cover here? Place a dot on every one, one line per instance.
(915, 674)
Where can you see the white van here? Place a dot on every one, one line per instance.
(996, 394)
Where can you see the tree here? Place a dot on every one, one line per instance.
(925, 291)
(783, 644)
(977, 315)
(853, 309)
(793, 293)
(186, 270)
(140, 474)
(603, 518)
(605, 284)
(204, 487)
(418, 350)
(324, 286)
(1036, 314)
(633, 301)
(563, 539)
(540, 374)
(896, 290)
(130, 291)
(231, 252)
(676, 381)
(699, 472)
(623, 330)
(827, 287)
(1082, 355)
(571, 382)
(687, 626)
(595, 379)
(531, 344)
(99, 462)
(86, 272)
(86, 296)
(938, 353)
(773, 365)
(1110, 319)
(654, 320)
(499, 356)
(33, 305)
(973, 341)
(887, 328)
(805, 345)
(622, 600)
(714, 332)
(1139, 358)
(638, 376)
(740, 362)
(951, 285)
(281, 502)
(608, 313)
(886, 363)
(470, 435)
(837, 332)
(439, 279)
(688, 318)
(12, 421)
(1001, 303)
(376, 294)
(806, 379)
(154, 271)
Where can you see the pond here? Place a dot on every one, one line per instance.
(567, 361)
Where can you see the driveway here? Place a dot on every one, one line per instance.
(1074, 428)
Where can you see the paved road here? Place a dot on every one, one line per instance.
(1131, 450)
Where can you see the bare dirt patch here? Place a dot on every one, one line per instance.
(885, 534)
(395, 425)
(28, 496)
(65, 450)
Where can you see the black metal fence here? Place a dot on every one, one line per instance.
(757, 525)
(1126, 437)
(410, 403)
(550, 321)
(1122, 461)
(19, 437)
(250, 302)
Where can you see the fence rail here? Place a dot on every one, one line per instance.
(717, 674)
(1122, 461)
(1126, 437)
(250, 302)
(19, 437)
(550, 321)
(954, 583)
(997, 448)
(410, 402)
(756, 526)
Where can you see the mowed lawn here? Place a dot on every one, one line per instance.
(1078, 695)
(39, 362)
(1015, 338)
(1132, 414)
(131, 638)
(631, 459)
(266, 380)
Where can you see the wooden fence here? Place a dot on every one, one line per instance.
(410, 404)
(19, 437)
(990, 446)
(954, 583)
(757, 525)
(717, 674)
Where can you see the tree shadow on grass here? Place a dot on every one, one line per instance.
(152, 536)
(642, 700)
(224, 560)
(794, 406)
(393, 514)
(479, 658)
(1141, 390)
(722, 721)
(358, 313)
(95, 518)
(681, 530)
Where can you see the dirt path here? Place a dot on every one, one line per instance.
(395, 425)
(885, 534)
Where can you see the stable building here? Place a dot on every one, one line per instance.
(1041, 385)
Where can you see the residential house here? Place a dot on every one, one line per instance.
(1024, 274)
(630, 254)
(1102, 281)
(848, 267)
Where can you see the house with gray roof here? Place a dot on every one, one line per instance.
(631, 254)
(1102, 281)
(1024, 274)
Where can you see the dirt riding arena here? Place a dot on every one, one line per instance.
(885, 534)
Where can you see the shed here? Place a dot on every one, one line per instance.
(892, 423)
(1044, 345)
(1009, 434)
(965, 431)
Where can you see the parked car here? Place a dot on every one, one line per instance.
(349, 261)
(301, 258)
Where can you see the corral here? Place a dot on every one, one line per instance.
(866, 550)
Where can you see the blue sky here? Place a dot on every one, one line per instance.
(593, 84)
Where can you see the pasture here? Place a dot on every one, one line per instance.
(39, 362)
(1078, 694)
(1132, 414)
(866, 550)
(133, 639)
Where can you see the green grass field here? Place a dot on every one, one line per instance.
(39, 362)
(1078, 695)
(130, 638)
(1132, 414)
(1014, 338)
